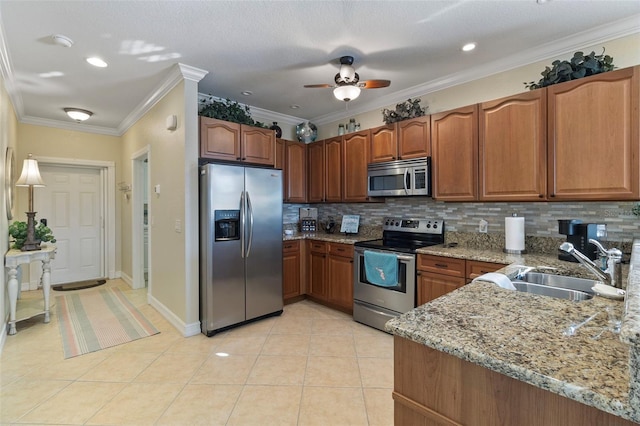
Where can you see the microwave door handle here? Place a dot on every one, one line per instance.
(406, 176)
(242, 223)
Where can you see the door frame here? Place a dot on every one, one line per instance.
(107, 171)
(137, 220)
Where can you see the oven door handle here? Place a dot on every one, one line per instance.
(400, 257)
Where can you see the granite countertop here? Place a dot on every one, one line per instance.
(332, 238)
(524, 335)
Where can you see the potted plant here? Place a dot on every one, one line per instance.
(228, 110)
(404, 111)
(18, 230)
(579, 66)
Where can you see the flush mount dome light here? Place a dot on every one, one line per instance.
(468, 47)
(78, 114)
(346, 93)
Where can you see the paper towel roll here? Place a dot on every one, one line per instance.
(514, 234)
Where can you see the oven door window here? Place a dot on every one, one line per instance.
(402, 277)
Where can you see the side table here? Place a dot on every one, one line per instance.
(12, 259)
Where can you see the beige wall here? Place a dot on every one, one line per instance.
(167, 168)
(625, 52)
(51, 142)
(8, 138)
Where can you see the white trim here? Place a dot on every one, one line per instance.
(6, 70)
(68, 125)
(187, 330)
(137, 222)
(108, 171)
(126, 278)
(177, 74)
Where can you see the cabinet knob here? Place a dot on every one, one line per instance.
(238, 158)
(441, 265)
(540, 196)
(244, 158)
(552, 195)
(418, 273)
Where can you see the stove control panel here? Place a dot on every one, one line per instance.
(424, 226)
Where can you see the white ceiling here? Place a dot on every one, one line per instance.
(273, 48)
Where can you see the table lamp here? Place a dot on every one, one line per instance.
(30, 177)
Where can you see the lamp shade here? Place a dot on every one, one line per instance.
(30, 174)
(346, 93)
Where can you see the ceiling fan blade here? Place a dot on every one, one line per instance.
(374, 84)
(319, 86)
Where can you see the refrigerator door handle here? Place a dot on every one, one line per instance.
(242, 224)
(250, 212)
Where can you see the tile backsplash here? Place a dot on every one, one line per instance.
(541, 219)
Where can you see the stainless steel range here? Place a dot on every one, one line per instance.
(373, 304)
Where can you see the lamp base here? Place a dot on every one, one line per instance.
(31, 243)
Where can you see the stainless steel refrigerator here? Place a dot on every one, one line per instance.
(240, 245)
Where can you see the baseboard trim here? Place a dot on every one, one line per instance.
(126, 278)
(187, 330)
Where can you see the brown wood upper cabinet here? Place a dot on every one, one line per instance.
(223, 140)
(355, 152)
(295, 172)
(593, 141)
(454, 151)
(512, 148)
(401, 141)
(315, 172)
(325, 171)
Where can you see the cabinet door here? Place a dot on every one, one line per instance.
(219, 140)
(316, 171)
(431, 286)
(290, 269)
(513, 148)
(414, 138)
(454, 145)
(316, 268)
(384, 145)
(593, 137)
(355, 149)
(340, 276)
(296, 172)
(333, 170)
(258, 145)
(280, 155)
(475, 268)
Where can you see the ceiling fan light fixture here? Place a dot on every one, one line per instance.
(78, 114)
(347, 73)
(346, 93)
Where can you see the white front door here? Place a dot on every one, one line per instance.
(71, 202)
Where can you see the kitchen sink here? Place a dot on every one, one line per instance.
(557, 292)
(558, 286)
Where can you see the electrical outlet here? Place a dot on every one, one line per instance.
(178, 226)
(482, 226)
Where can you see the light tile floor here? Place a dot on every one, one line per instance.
(310, 366)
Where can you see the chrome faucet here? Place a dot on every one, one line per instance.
(612, 275)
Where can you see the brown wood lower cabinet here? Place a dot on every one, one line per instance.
(340, 276)
(434, 388)
(317, 270)
(439, 275)
(291, 270)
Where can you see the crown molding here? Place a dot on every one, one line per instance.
(561, 47)
(177, 74)
(77, 127)
(6, 70)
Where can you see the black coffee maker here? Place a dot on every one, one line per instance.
(578, 234)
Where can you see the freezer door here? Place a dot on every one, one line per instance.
(222, 278)
(263, 189)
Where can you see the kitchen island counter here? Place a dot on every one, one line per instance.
(525, 336)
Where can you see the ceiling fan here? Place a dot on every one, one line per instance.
(348, 83)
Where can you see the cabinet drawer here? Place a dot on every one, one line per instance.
(442, 265)
(475, 268)
(290, 246)
(344, 250)
(318, 246)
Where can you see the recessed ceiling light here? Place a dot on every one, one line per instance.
(78, 114)
(247, 93)
(294, 106)
(468, 47)
(97, 62)
(62, 40)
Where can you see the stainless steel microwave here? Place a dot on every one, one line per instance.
(399, 178)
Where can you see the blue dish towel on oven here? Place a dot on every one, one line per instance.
(381, 268)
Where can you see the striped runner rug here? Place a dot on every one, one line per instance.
(99, 319)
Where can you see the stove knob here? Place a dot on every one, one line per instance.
(435, 226)
(428, 225)
(397, 223)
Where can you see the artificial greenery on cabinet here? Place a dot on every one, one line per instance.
(579, 66)
(404, 111)
(228, 110)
